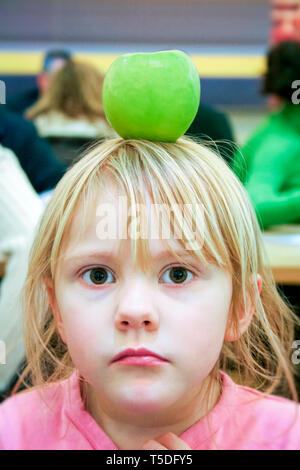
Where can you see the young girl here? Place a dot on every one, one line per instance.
(132, 332)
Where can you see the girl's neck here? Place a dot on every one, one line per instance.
(129, 431)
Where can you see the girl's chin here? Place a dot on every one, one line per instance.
(144, 400)
(142, 407)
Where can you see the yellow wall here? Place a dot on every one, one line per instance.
(231, 66)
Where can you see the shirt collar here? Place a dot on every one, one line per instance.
(197, 436)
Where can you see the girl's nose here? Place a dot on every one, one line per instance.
(136, 308)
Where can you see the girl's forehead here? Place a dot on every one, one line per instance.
(105, 206)
(107, 222)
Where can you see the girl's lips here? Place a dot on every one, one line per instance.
(140, 361)
(140, 356)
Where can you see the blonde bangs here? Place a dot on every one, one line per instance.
(173, 176)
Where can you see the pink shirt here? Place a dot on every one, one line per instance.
(242, 419)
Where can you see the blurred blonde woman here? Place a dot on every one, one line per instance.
(72, 106)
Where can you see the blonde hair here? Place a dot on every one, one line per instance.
(174, 173)
(75, 91)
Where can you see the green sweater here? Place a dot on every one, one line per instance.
(269, 167)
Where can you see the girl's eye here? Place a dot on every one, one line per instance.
(177, 274)
(97, 276)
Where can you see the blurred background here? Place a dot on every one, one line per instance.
(227, 40)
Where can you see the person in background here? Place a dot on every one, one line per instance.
(53, 61)
(71, 111)
(211, 125)
(285, 26)
(269, 163)
(20, 210)
(72, 105)
(34, 153)
(285, 21)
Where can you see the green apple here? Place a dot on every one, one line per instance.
(153, 96)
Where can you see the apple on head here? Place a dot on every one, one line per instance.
(153, 96)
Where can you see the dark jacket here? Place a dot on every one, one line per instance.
(22, 101)
(212, 125)
(34, 153)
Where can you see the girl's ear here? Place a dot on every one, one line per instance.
(49, 283)
(244, 320)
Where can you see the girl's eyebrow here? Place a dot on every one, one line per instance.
(111, 255)
(86, 255)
